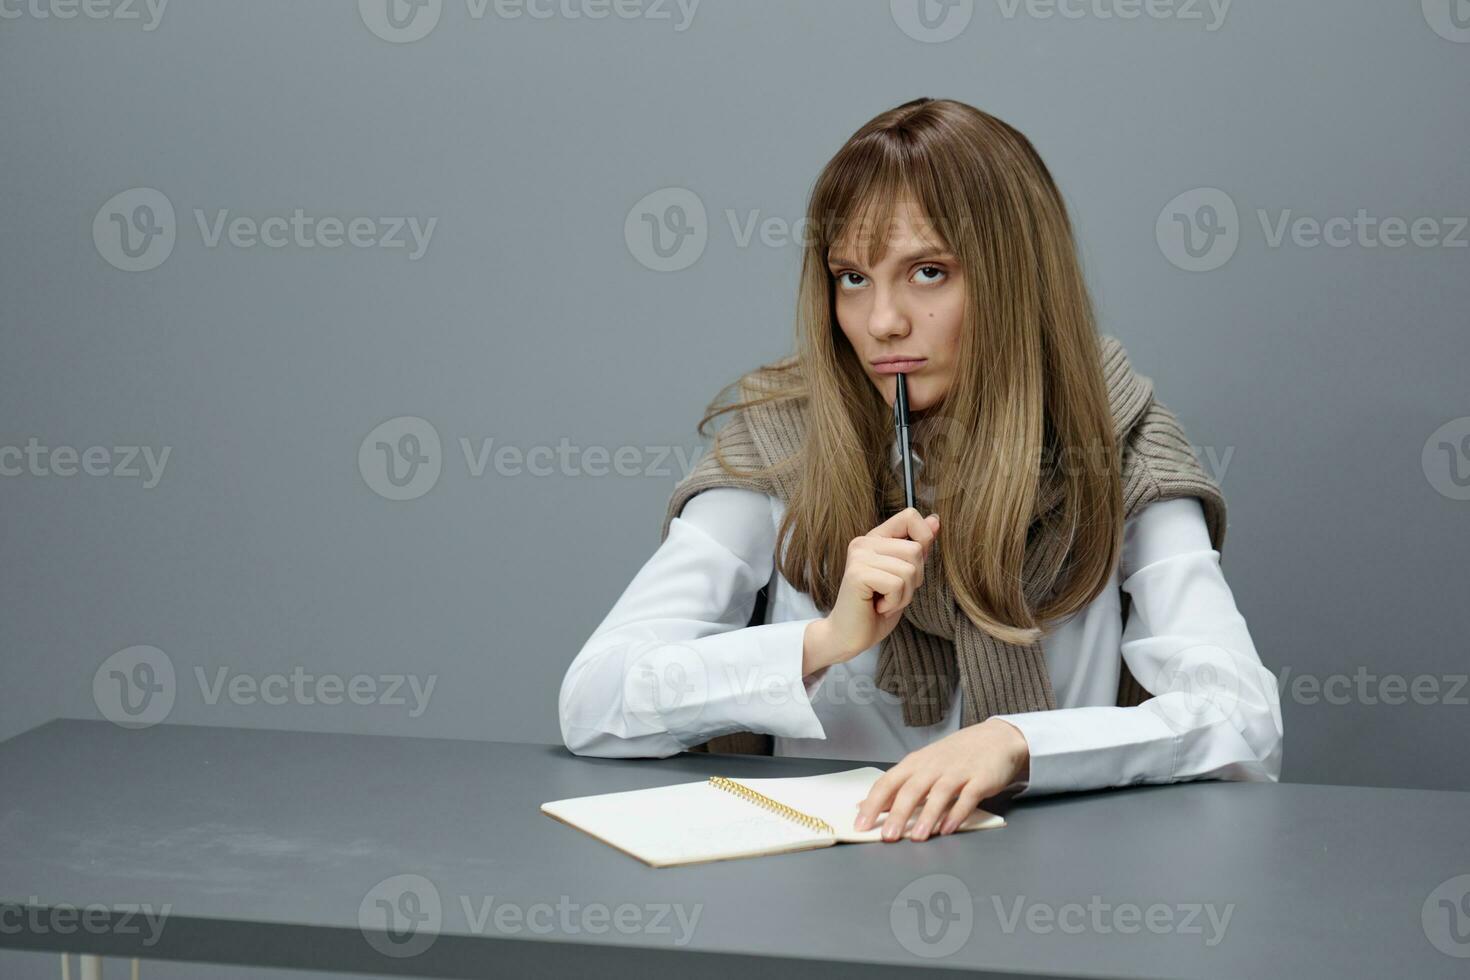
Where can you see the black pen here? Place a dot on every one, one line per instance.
(901, 422)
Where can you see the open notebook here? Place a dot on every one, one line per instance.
(719, 818)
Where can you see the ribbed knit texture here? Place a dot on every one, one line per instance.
(934, 639)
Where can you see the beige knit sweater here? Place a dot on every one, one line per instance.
(934, 639)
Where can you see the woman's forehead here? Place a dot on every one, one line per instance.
(907, 230)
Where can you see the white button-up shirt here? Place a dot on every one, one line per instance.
(675, 663)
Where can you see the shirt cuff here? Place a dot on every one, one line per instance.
(1070, 753)
(752, 681)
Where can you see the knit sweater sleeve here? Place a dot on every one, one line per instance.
(1168, 468)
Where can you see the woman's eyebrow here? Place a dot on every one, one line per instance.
(924, 253)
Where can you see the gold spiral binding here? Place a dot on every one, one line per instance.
(761, 799)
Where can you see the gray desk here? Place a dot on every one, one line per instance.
(271, 849)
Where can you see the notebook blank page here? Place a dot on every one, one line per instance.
(683, 823)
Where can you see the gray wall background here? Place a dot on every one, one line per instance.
(1326, 381)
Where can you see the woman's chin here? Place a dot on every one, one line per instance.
(921, 401)
(920, 397)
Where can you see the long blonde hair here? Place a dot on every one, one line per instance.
(1027, 399)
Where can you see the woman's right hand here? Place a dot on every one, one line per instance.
(885, 567)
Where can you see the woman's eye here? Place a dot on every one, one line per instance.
(854, 280)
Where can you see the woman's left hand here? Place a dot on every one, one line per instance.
(949, 777)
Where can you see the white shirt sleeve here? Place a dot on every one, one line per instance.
(1215, 711)
(674, 662)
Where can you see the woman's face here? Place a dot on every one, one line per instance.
(911, 305)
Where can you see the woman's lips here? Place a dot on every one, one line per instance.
(899, 367)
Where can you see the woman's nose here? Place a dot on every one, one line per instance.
(888, 327)
(887, 320)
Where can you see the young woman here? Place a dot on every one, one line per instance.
(1052, 617)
